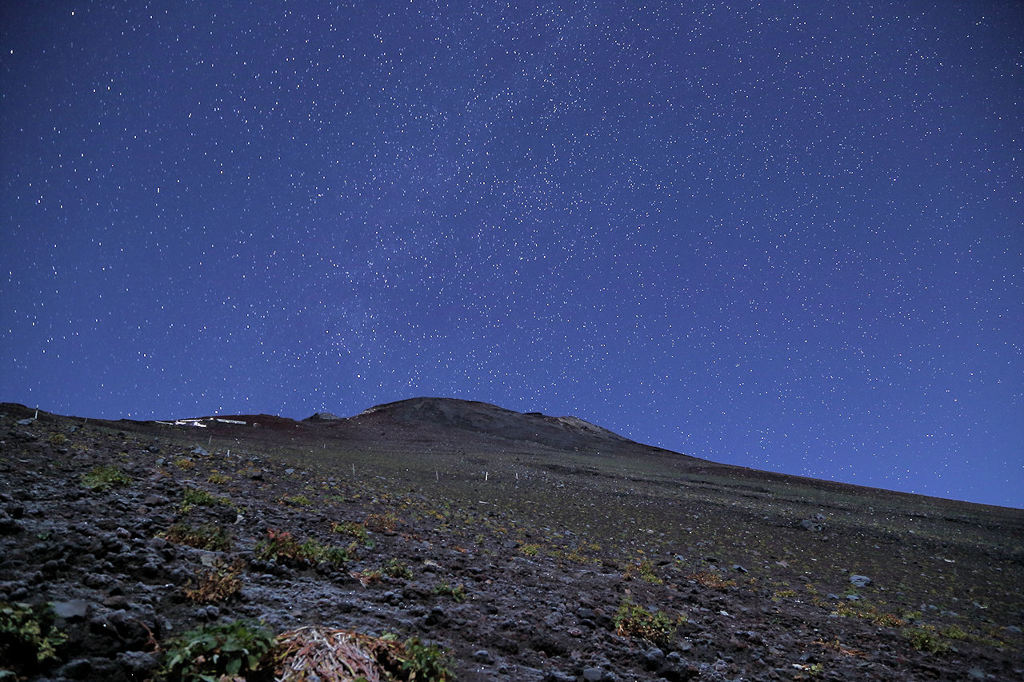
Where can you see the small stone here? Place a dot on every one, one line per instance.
(558, 676)
(654, 657)
(199, 451)
(78, 669)
(97, 580)
(73, 609)
(482, 656)
(738, 568)
(593, 674)
(860, 580)
(137, 661)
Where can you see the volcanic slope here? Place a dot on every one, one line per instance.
(529, 547)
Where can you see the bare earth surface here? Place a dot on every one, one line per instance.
(518, 543)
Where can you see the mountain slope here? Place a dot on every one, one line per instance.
(471, 526)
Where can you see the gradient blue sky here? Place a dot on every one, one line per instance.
(786, 235)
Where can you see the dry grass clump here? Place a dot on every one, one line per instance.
(332, 655)
(644, 570)
(712, 580)
(381, 523)
(218, 583)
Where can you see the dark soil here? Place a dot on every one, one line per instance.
(510, 540)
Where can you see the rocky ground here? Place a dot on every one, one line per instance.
(608, 569)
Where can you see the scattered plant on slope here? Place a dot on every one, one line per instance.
(925, 639)
(456, 592)
(381, 523)
(283, 546)
(208, 536)
(656, 627)
(217, 583)
(205, 654)
(396, 568)
(195, 497)
(713, 580)
(644, 570)
(333, 655)
(28, 637)
(105, 477)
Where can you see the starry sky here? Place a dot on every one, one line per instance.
(783, 235)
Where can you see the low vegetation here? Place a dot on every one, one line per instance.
(644, 570)
(196, 497)
(282, 546)
(210, 652)
(216, 583)
(318, 653)
(656, 627)
(207, 536)
(456, 592)
(28, 638)
(926, 639)
(103, 478)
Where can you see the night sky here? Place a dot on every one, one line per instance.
(788, 236)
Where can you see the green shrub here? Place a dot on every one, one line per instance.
(105, 477)
(282, 546)
(643, 570)
(206, 653)
(926, 639)
(396, 568)
(207, 536)
(28, 637)
(195, 497)
(954, 632)
(353, 529)
(633, 620)
(426, 662)
(278, 546)
(458, 592)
